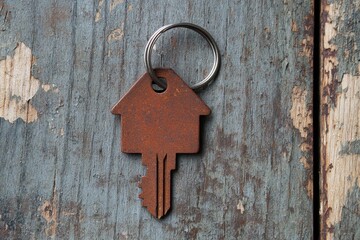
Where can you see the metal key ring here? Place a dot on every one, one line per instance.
(150, 44)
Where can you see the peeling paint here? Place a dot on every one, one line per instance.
(54, 129)
(46, 87)
(50, 87)
(330, 61)
(300, 113)
(240, 207)
(116, 34)
(304, 161)
(18, 86)
(114, 4)
(307, 42)
(307, 46)
(99, 10)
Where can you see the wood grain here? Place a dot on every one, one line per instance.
(340, 120)
(63, 175)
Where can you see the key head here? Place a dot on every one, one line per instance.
(168, 121)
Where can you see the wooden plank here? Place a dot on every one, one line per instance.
(340, 120)
(61, 170)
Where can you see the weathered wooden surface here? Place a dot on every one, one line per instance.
(63, 64)
(340, 120)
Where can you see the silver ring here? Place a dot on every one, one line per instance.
(150, 44)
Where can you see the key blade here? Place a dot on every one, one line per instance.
(160, 185)
(166, 163)
(156, 185)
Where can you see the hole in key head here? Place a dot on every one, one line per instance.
(157, 88)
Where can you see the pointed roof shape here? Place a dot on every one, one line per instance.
(141, 95)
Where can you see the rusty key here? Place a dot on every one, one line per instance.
(159, 125)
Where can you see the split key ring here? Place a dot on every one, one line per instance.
(150, 44)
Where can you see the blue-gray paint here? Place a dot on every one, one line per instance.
(348, 227)
(352, 147)
(250, 150)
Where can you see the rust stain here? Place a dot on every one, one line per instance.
(307, 42)
(12, 213)
(300, 113)
(309, 187)
(55, 17)
(18, 86)
(294, 27)
(307, 46)
(173, 42)
(73, 209)
(245, 56)
(330, 61)
(48, 211)
(306, 146)
(309, 23)
(304, 161)
(225, 140)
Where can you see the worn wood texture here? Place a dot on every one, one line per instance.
(63, 64)
(340, 120)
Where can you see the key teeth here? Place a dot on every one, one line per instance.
(157, 203)
(144, 195)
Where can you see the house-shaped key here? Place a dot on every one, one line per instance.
(160, 125)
